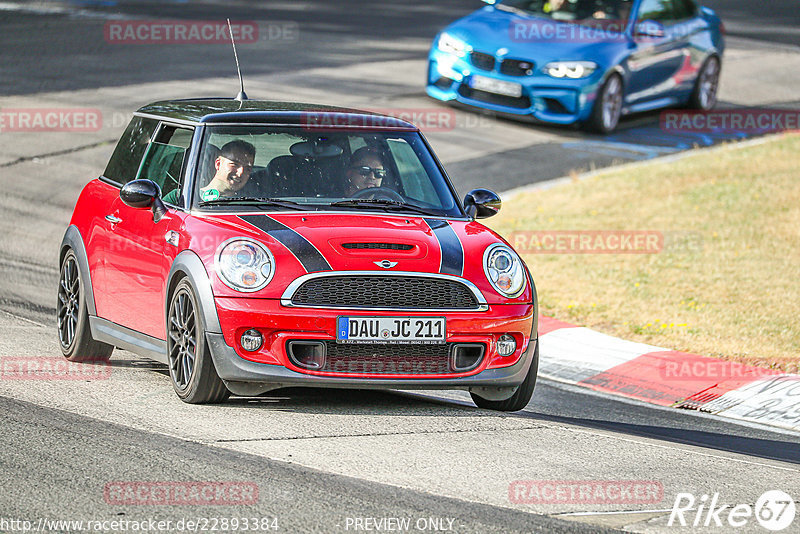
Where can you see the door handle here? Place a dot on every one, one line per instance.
(113, 220)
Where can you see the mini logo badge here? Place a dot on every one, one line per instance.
(386, 264)
(502, 51)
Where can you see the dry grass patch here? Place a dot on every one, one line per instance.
(727, 283)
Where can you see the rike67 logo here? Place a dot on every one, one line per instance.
(774, 510)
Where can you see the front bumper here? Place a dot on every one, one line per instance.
(547, 99)
(270, 367)
(244, 377)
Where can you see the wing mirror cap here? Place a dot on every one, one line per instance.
(482, 203)
(143, 194)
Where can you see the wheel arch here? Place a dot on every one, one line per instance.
(74, 241)
(189, 265)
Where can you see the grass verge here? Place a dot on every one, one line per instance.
(723, 275)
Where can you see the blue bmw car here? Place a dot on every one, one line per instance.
(579, 61)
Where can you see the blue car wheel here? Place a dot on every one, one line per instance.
(608, 106)
(704, 95)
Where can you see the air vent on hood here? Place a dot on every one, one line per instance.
(378, 246)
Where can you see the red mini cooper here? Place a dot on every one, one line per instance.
(256, 245)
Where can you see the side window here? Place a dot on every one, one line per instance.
(685, 9)
(658, 10)
(413, 177)
(165, 158)
(127, 157)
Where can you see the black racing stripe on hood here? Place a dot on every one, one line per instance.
(311, 258)
(452, 251)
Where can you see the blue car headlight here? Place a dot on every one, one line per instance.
(570, 69)
(452, 45)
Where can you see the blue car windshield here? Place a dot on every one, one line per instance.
(578, 11)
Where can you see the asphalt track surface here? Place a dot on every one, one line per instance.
(56, 52)
(320, 457)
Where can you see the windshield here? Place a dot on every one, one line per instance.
(580, 11)
(280, 168)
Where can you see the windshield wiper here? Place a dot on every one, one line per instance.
(257, 201)
(391, 205)
(512, 9)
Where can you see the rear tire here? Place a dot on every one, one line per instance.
(191, 368)
(704, 94)
(521, 397)
(608, 106)
(74, 334)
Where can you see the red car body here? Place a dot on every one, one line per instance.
(131, 265)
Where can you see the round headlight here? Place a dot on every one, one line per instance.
(504, 270)
(244, 265)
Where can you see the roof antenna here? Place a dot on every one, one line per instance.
(242, 95)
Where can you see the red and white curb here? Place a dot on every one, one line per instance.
(584, 357)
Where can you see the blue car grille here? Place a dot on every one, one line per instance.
(482, 61)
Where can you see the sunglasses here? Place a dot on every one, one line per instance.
(366, 171)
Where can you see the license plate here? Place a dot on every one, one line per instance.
(411, 330)
(499, 87)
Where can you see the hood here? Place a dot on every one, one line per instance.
(536, 38)
(305, 243)
(354, 242)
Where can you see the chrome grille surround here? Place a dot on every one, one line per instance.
(288, 295)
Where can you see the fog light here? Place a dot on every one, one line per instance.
(506, 345)
(251, 340)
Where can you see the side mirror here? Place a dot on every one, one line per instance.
(649, 28)
(144, 194)
(482, 203)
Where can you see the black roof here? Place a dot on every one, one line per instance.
(224, 110)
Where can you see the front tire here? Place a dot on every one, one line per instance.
(704, 94)
(74, 334)
(521, 397)
(608, 106)
(191, 369)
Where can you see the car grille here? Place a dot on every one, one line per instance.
(401, 292)
(516, 67)
(482, 61)
(521, 102)
(379, 246)
(389, 359)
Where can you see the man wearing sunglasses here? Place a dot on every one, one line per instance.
(232, 170)
(366, 170)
